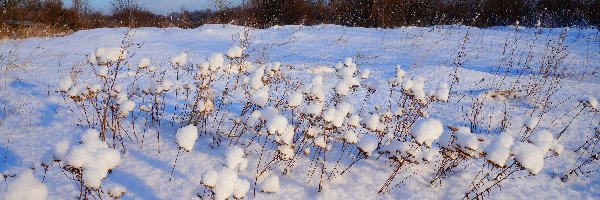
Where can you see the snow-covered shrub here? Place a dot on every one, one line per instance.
(88, 162)
(225, 183)
(101, 99)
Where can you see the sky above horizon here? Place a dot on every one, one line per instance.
(159, 6)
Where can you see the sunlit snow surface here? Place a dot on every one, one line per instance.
(31, 69)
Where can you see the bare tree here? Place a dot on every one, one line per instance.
(221, 6)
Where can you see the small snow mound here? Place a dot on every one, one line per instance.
(270, 185)
(442, 93)
(235, 52)
(529, 157)
(126, 107)
(241, 188)
(107, 56)
(466, 141)
(186, 137)
(234, 158)
(426, 130)
(532, 123)
(179, 60)
(60, 149)
(286, 152)
(367, 144)
(371, 121)
(497, 154)
(542, 139)
(590, 102)
(117, 192)
(260, 97)
(25, 186)
(295, 99)
(225, 186)
(350, 137)
(209, 178)
(320, 142)
(65, 84)
(144, 63)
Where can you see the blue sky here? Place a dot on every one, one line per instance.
(159, 6)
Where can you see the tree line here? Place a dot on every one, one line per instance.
(266, 13)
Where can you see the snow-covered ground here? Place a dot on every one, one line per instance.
(487, 62)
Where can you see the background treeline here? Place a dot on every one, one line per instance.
(53, 15)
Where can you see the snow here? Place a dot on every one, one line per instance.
(102, 71)
(260, 97)
(61, 148)
(590, 102)
(350, 137)
(78, 156)
(498, 151)
(295, 99)
(497, 154)
(320, 142)
(179, 60)
(365, 74)
(107, 159)
(186, 137)
(94, 157)
(277, 125)
(270, 184)
(92, 177)
(314, 109)
(268, 112)
(542, 139)
(24, 187)
(235, 52)
(529, 157)
(313, 131)
(426, 130)
(241, 188)
(286, 152)
(371, 121)
(126, 107)
(216, 61)
(288, 135)
(117, 192)
(234, 158)
(65, 84)
(44, 118)
(556, 147)
(367, 144)
(109, 55)
(329, 114)
(466, 140)
(225, 186)
(532, 123)
(320, 70)
(504, 139)
(210, 178)
(371, 84)
(353, 120)
(144, 63)
(443, 92)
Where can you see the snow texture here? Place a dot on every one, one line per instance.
(186, 137)
(25, 187)
(367, 144)
(426, 130)
(270, 184)
(529, 157)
